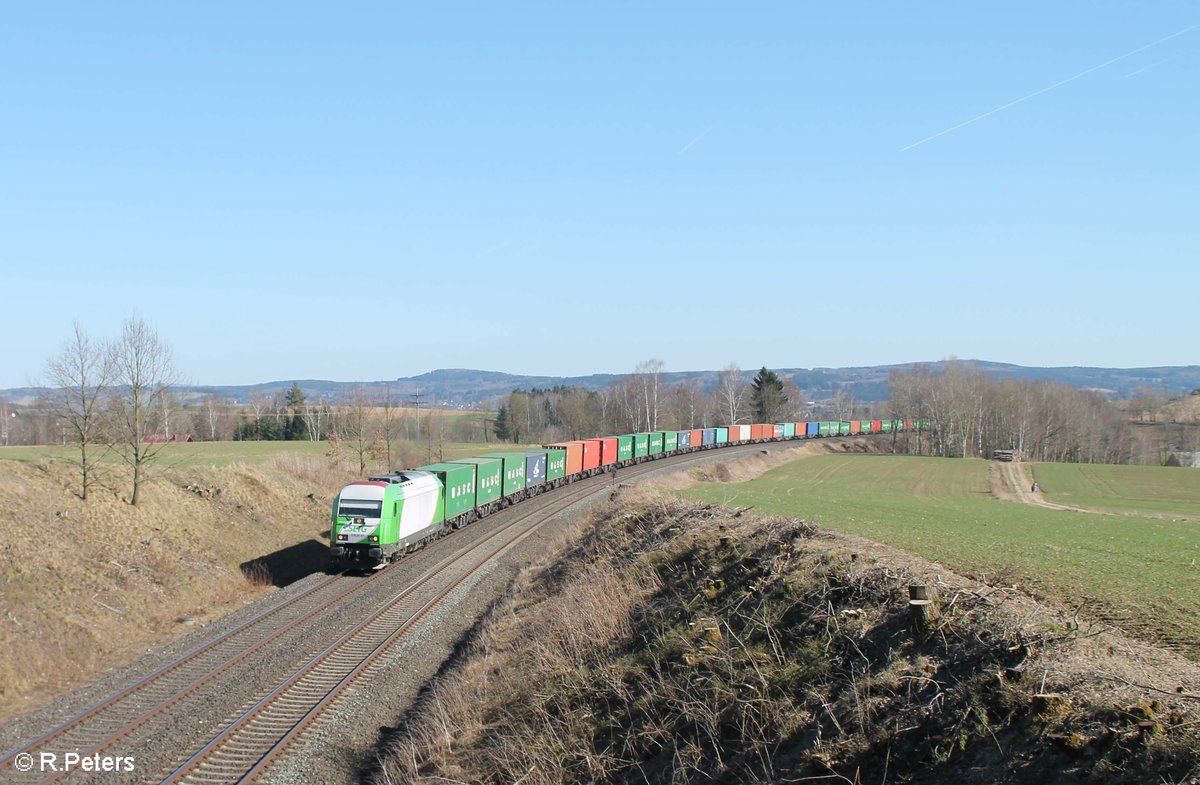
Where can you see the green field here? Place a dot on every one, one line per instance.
(1136, 571)
(1127, 490)
(225, 453)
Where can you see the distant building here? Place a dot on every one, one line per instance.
(1190, 460)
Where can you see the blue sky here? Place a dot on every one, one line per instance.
(363, 191)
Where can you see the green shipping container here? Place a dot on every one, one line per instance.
(886, 426)
(670, 441)
(641, 445)
(556, 464)
(866, 426)
(843, 429)
(722, 436)
(625, 448)
(655, 443)
(789, 429)
(827, 428)
(514, 470)
(489, 478)
(458, 488)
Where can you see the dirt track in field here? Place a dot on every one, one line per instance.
(1010, 482)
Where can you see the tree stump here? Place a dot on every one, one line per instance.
(922, 609)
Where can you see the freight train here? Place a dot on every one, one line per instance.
(377, 520)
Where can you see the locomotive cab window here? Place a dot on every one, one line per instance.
(357, 508)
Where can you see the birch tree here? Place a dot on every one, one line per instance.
(648, 374)
(731, 394)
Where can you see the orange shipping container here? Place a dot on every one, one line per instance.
(876, 426)
(574, 455)
(608, 451)
(855, 426)
(697, 437)
(591, 453)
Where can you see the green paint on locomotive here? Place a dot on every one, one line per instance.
(373, 519)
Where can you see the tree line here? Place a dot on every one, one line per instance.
(115, 398)
(972, 414)
(641, 401)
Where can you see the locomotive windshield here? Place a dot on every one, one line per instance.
(360, 508)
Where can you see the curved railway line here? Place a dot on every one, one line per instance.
(256, 736)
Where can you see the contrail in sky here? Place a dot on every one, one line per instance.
(684, 149)
(1153, 65)
(1045, 89)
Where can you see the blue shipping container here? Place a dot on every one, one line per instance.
(535, 468)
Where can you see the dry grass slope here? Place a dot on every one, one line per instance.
(682, 643)
(87, 586)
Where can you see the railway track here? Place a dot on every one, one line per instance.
(262, 730)
(248, 745)
(124, 711)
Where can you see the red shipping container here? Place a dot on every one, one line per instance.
(876, 426)
(756, 431)
(697, 437)
(908, 425)
(608, 451)
(591, 453)
(856, 426)
(574, 455)
(776, 431)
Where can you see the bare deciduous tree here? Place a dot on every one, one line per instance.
(648, 376)
(80, 374)
(389, 423)
(357, 428)
(731, 391)
(143, 371)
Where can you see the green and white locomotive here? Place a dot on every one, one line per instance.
(376, 519)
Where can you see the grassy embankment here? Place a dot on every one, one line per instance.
(680, 643)
(85, 586)
(1136, 570)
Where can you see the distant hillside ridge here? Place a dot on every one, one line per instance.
(468, 388)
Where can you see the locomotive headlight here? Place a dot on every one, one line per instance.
(341, 536)
(374, 538)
